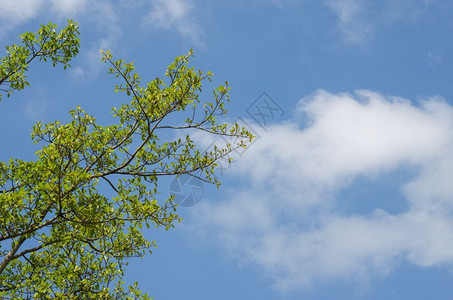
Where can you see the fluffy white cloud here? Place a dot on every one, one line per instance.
(285, 217)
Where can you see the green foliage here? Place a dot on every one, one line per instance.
(60, 235)
(46, 44)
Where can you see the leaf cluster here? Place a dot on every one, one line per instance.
(62, 233)
(46, 44)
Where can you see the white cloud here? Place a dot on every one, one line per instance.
(286, 217)
(175, 14)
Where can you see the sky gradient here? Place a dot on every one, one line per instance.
(347, 191)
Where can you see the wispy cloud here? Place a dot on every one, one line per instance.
(13, 13)
(177, 15)
(102, 16)
(286, 218)
(17, 12)
(68, 8)
(36, 110)
(350, 23)
(358, 20)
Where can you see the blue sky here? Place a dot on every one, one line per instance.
(347, 192)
